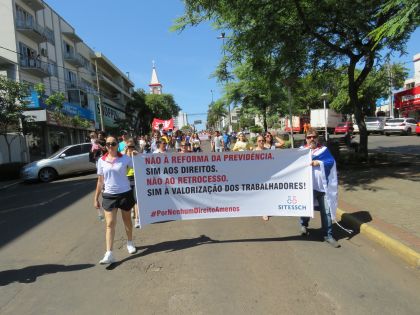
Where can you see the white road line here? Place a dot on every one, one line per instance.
(35, 205)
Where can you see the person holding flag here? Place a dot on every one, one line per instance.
(325, 186)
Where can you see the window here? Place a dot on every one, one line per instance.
(27, 55)
(70, 76)
(52, 67)
(86, 148)
(23, 18)
(68, 50)
(73, 150)
(49, 34)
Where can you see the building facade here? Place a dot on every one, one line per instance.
(38, 46)
(407, 101)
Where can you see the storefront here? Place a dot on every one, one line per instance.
(408, 103)
(46, 134)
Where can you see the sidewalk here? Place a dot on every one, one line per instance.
(386, 196)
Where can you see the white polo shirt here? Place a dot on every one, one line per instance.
(115, 173)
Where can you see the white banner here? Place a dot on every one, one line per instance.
(220, 185)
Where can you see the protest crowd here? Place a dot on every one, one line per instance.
(113, 158)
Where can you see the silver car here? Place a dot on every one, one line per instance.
(375, 124)
(69, 160)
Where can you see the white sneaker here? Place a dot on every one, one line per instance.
(130, 247)
(108, 258)
(137, 225)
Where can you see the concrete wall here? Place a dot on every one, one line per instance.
(18, 148)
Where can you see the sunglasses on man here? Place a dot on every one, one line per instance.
(111, 144)
(311, 137)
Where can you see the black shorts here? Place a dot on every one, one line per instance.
(124, 201)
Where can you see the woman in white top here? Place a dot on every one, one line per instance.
(196, 143)
(117, 194)
(242, 144)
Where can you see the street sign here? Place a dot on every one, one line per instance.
(197, 122)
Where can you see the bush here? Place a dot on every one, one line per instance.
(10, 171)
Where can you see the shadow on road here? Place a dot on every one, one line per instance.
(27, 205)
(315, 235)
(31, 273)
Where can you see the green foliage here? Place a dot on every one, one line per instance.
(141, 111)
(256, 129)
(186, 128)
(217, 110)
(297, 36)
(406, 20)
(12, 105)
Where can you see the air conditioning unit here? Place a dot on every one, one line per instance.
(44, 52)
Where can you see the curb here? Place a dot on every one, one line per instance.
(397, 248)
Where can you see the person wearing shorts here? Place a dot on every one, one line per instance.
(117, 194)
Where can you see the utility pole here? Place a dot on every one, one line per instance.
(99, 97)
(289, 96)
(222, 37)
(391, 101)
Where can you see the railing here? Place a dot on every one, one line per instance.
(30, 25)
(33, 63)
(75, 57)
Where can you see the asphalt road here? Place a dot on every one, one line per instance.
(51, 242)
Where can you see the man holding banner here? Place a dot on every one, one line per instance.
(324, 186)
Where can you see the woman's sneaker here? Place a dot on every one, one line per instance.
(108, 258)
(130, 247)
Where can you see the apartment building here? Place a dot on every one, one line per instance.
(38, 46)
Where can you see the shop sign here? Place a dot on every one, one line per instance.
(110, 114)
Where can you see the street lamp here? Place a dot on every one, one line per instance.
(222, 37)
(324, 97)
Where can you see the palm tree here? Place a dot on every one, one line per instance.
(217, 110)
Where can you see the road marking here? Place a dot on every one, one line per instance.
(35, 205)
(9, 185)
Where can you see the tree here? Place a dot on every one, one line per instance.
(305, 34)
(217, 110)
(13, 103)
(143, 108)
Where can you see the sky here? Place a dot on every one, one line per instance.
(133, 33)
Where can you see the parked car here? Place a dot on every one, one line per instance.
(418, 129)
(375, 124)
(403, 126)
(69, 160)
(344, 127)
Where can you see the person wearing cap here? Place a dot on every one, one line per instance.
(242, 144)
(123, 143)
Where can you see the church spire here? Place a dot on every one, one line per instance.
(155, 86)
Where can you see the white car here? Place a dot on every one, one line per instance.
(403, 126)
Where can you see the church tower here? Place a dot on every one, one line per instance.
(155, 86)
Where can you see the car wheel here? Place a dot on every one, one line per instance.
(408, 131)
(387, 134)
(47, 174)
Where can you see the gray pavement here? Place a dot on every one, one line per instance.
(52, 241)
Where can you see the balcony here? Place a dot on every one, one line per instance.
(73, 37)
(75, 59)
(35, 67)
(32, 30)
(35, 5)
(111, 85)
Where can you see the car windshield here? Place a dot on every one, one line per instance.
(372, 119)
(395, 121)
(341, 125)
